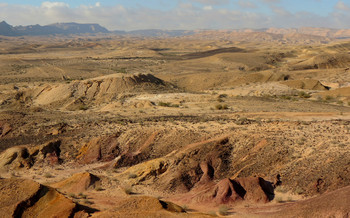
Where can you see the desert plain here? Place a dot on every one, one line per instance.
(213, 124)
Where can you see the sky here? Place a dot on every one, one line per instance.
(180, 14)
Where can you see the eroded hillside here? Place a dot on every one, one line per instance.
(174, 127)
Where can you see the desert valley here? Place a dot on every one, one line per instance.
(219, 123)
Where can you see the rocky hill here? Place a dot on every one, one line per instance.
(52, 29)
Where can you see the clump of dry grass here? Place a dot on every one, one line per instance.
(223, 210)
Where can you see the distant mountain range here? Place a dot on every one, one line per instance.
(52, 29)
(76, 28)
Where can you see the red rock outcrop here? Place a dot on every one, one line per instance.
(26, 198)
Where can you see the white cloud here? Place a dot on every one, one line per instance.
(342, 6)
(271, 1)
(184, 16)
(280, 11)
(53, 4)
(212, 2)
(208, 8)
(98, 4)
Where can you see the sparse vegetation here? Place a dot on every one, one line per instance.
(221, 97)
(281, 189)
(128, 190)
(299, 191)
(81, 195)
(84, 107)
(241, 121)
(221, 107)
(88, 202)
(279, 199)
(223, 210)
(167, 104)
(122, 70)
(72, 195)
(48, 175)
(143, 136)
(99, 188)
(303, 94)
(286, 97)
(212, 213)
(132, 176)
(329, 98)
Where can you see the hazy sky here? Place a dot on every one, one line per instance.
(180, 14)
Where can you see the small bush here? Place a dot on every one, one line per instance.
(164, 104)
(122, 70)
(132, 176)
(329, 98)
(281, 189)
(303, 94)
(212, 213)
(221, 107)
(99, 188)
(342, 145)
(128, 190)
(83, 107)
(72, 196)
(167, 104)
(299, 191)
(88, 202)
(223, 210)
(48, 175)
(286, 97)
(218, 107)
(279, 199)
(340, 102)
(81, 195)
(242, 121)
